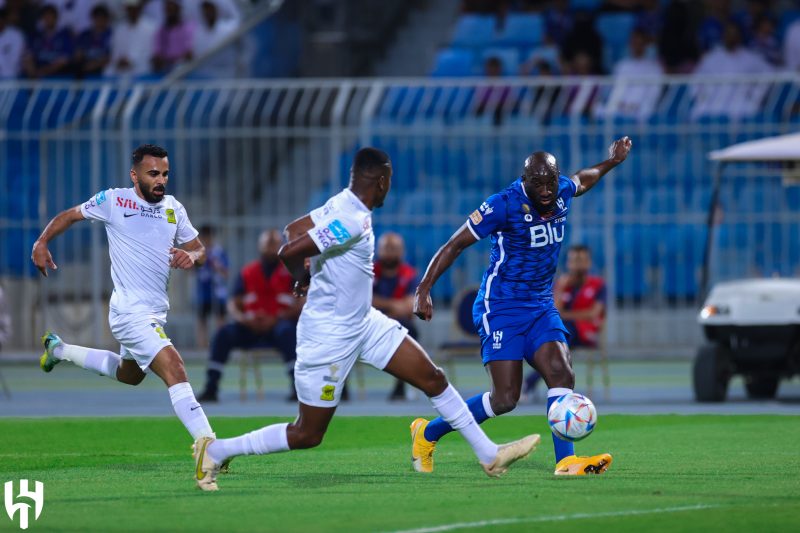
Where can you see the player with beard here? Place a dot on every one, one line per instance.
(149, 233)
(330, 255)
(514, 311)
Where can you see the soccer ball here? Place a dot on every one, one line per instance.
(572, 417)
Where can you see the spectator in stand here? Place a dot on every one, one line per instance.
(212, 286)
(174, 40)
(630, 98)
(12, 47)
(765, 41)
(559, 20)
(127, 60)
(735, 100)
(650, 19)
(545, 54)
(492, 98)
(209, 32)
(264, 313)
(393, 291)
(677, 42)
(93, 46)
(749, 18)
(22, 14)
(50, 50)
(791, 46)
(712, 26)
(583, 39)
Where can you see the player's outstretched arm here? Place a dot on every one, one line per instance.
(40, 255)
(588, 177)
(445, 256)
(295, 253)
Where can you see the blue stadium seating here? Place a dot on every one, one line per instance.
(509, 57)
(454, 62)
(615, 29)
(522, 30)
(590, 5)
(474, 31)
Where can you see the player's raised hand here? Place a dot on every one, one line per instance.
(619, 149)
(180, 258)
(423, 305)
(41, 258)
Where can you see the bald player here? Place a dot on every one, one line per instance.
(514, 312)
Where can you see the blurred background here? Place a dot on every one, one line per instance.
(262, 103)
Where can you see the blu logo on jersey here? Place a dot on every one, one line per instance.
(546, 234)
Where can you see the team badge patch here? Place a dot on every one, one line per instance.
(100, 197)
(327, 393)
(171, 216)
(339, 231)
(476, 217)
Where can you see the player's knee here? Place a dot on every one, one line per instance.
(435, 382)
(563, 376)
(130, 379)
(503, 404)
(302, 440)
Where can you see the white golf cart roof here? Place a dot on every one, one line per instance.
(780, 148)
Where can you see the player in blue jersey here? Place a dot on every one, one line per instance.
(514, 311)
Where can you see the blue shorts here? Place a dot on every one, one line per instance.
(516, 334)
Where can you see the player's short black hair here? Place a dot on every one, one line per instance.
(147, 149)
(370, 162)
(580, 248)
(100, 10)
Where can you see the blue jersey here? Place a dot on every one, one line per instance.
(525, 246)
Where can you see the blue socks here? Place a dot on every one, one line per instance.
(563, 448)
(479, 407)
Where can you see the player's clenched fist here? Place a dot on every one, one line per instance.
(619, 149)
(42, 259)
(180, 259)
(423, 305)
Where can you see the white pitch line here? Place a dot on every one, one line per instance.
(552, 518)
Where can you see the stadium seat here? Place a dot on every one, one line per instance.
(591, 5)
(454, 62)
(522, 30)
(474, 31)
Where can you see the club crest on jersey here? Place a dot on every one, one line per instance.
(327, 393)
(171, 216)
(497, 337)
(486, 209)
(560, 204)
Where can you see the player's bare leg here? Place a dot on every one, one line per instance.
(553, 361)
(506, 379)
(128, 372)
(411, 364)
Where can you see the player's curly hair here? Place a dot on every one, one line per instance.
(147, 149)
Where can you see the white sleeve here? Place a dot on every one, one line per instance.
(186, 232)
(335, 230)
(98, 207)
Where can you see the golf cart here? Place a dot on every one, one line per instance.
(752, 325)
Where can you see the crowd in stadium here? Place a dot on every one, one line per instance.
(584, 37)
(91, 38)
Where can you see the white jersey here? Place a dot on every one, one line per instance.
(140, 235)
(340, 294)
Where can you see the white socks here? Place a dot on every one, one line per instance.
(452, 408)
(270, 439)
(189, 411)
(103, 362)
(555, 392)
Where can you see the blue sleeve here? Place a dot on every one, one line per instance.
(238, 286)
(489, 217)
(571, 187)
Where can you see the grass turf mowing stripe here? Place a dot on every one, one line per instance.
(554, 518)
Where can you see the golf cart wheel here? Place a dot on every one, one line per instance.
(761, 387)
(711, 375)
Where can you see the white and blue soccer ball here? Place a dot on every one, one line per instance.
(572, 417)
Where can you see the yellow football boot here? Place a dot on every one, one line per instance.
(48, 360)
(421, 449)
(575, 465)
(205, 469)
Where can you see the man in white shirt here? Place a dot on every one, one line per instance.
(736, 98)
(330, 255)
(149, 233)
(209, 32)
(636, 88)
(12, 46)
(132, 42)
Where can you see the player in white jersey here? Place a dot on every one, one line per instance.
(339, 326)
(149, 233)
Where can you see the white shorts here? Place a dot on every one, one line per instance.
(322, 367)
(140, 336)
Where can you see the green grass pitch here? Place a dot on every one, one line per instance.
(671, 473)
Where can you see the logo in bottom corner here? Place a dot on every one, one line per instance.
(23, 508)
(327, 393)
